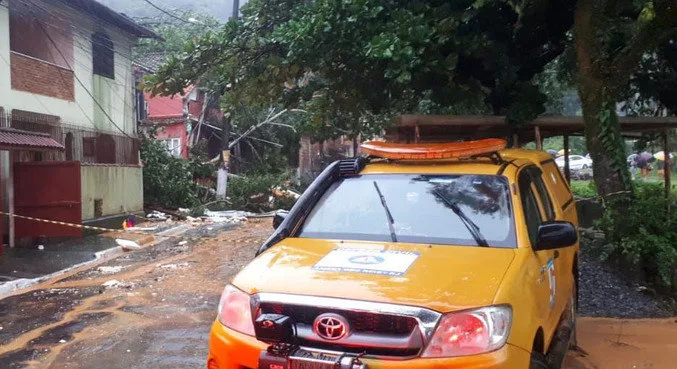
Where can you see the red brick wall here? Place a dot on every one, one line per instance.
(34, 76)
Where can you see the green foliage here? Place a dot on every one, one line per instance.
(252, 192)
(643, 231)
(352, 65)
(168, 180)
(175, 32)
(584, 189)
(613, 143)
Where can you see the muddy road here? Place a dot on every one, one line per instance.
(153, 308)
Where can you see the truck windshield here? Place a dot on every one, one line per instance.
(423, 209)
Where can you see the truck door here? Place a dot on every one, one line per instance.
(544, 261)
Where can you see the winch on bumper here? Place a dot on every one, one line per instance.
(284, 352)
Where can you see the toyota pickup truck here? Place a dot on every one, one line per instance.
(451, 255)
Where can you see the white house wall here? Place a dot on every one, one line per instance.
(83, 110)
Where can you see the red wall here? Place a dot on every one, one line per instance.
(174, 130)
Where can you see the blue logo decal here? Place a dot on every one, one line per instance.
(366, 259)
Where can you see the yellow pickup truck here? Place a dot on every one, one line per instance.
(456, 255)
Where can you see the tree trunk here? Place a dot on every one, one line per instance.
(598, 84)
(603, 138)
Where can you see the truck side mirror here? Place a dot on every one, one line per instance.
(279, 217)
(554, 235)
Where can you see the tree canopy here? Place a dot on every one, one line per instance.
(353, 64)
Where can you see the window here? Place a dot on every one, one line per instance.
(546, 201)
(529, 205)
(88, 146)
(37, 33)
(560, 189)
(173, 146)
(103, 55)
(422, 209)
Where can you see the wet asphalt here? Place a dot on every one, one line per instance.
(144, 309)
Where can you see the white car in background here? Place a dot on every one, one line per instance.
(576, 162)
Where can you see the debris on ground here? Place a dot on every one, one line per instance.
(109, 269)
(156, 215)
(127, 245)
(114, 283)
(174, 266)
(141, 229)
(230, 216)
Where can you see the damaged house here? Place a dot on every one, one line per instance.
(69, 149)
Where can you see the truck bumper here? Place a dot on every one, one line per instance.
(233, 350)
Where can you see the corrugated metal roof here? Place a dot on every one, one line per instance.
(17, 139)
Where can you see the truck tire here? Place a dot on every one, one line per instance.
(538, 361)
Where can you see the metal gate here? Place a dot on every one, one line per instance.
(47, 190)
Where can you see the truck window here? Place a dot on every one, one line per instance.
(423, 208)
(542, 191)
(556, 183)
(532, 214)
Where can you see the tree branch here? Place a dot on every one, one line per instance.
(587, 45)
(649, 34)
(257, 126)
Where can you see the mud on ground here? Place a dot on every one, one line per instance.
(156, 312)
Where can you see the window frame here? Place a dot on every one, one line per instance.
(524, 184)
(103, 55)
(542, 192)
(511, 241)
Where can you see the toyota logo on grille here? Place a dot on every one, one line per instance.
(331, 326)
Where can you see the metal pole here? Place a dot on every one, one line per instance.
(515, 141)
(236, 9)
(10, 192)
(567, 173)
(667, 163)
(537, 138)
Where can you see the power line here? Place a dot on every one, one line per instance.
(82, 84)
(122, 77)
(168, 13)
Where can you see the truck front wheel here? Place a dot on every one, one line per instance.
(538, 361)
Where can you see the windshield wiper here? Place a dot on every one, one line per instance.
(469, 224)
(391, 221)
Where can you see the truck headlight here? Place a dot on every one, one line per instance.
(470, 332)
(235, 310)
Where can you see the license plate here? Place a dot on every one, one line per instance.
(302, 359)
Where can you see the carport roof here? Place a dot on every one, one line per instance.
(14, 139)
(445, 127)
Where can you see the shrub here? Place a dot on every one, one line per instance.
(252, 192)
(168, 180)
(642, 230)
(584, 188)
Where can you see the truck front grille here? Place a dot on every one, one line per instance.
(372, 334)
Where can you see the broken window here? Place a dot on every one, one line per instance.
(103, 55)
(36, 33)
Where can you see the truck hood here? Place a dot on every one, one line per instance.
(441, 278)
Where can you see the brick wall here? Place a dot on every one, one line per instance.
(38, 77)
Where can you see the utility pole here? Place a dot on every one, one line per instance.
(222, 173)
(236, 9)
